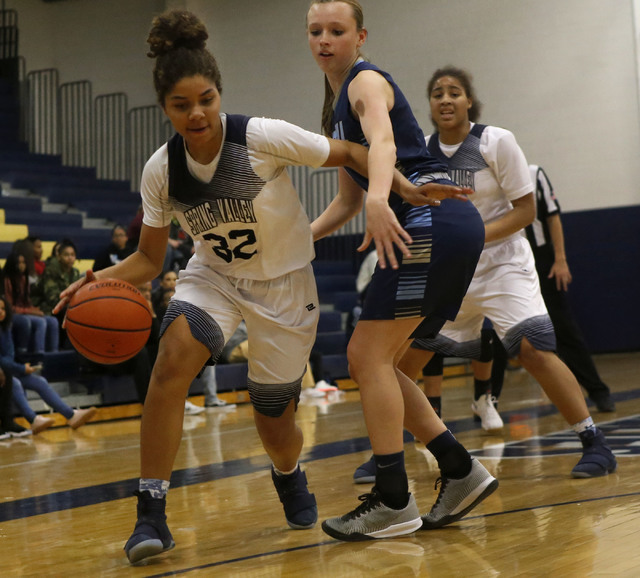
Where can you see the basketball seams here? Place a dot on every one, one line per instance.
(108, 321)
(108, 329)
(110, 297)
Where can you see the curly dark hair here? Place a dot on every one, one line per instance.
(177, 40)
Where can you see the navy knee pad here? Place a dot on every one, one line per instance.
(448, 347)
(538, 331)
(202, 326)
(273, 399)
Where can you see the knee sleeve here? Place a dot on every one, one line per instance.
(202, 326)
(448, 347)
(538, 331)
(273, 399)
(435, 366)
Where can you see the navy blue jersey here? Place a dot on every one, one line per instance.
(447, 240)
(413, 159)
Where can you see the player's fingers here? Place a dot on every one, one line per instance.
(366, 241)
(60, 305)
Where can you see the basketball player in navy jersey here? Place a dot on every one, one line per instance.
(407, 296)
(223, 177)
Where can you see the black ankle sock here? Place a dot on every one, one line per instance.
(391, 480)
(436, 404)
(481, 387)
(453, 459)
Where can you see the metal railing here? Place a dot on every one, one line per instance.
(149, 129)
(110, 142)
(43, 126)
(76, 114)
(8, 34)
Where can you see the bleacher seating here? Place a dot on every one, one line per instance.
(39, 218)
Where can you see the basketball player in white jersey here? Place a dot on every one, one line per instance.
(505, 287)
(224, 177)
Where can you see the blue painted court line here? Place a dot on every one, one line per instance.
(97, 494)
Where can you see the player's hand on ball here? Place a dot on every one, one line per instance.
(433, 193)
(70, 291)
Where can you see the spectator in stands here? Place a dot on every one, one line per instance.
(5, 405)
(34, 330)
(117, 250)
(38, 263)
(8, 427)
(24, 376)
(179, 248)
(168, 281)
(53, 256)
(26, 248)
(58, 275)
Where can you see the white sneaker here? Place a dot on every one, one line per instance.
(322, 385)
(218, 403)
(486, 411)
(312, 392)
(192, 408)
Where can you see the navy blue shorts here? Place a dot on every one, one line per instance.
(447, 242)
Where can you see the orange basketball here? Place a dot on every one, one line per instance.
(108, 321)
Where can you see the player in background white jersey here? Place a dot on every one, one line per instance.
(505, 287)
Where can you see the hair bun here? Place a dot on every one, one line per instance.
(176, 29)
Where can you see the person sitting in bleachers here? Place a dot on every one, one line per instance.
(35, 331)
(25, 376)
(38, 262)
(58, 275)
(179, 249)
(159, 296)
(8, 427)
(118, 249)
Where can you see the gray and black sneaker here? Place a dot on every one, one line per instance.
(458, 497)
(372, 519)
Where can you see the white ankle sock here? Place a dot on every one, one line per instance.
(279, 473)
(583, 425)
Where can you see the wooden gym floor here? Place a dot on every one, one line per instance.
(67, 508)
